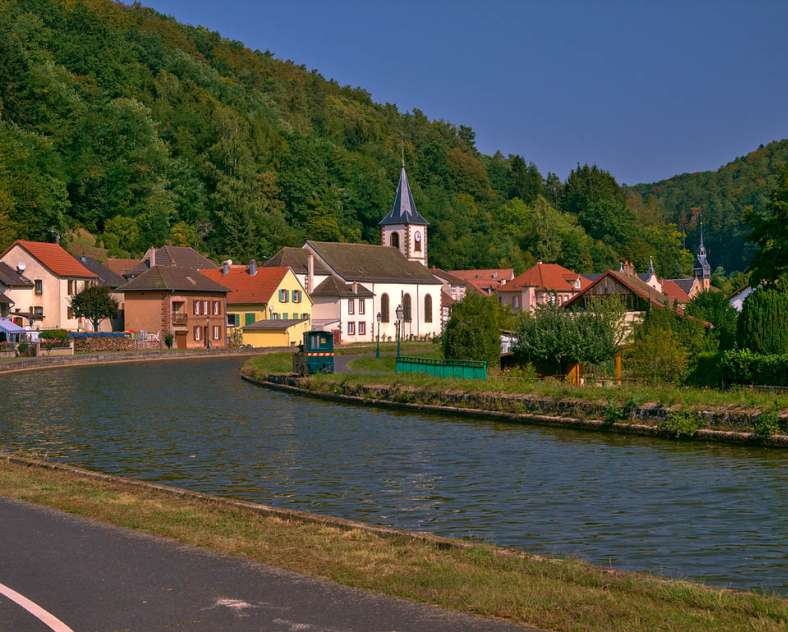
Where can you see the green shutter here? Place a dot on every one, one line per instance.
(248, 318)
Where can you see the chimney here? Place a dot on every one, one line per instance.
(355, 287)
(152, 258)
(310, 272)
(226, 266)
(252, 267)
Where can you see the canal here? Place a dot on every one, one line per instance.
(714, 513)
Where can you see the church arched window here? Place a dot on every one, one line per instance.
(428, 308)
(406, 308)
(384, 308)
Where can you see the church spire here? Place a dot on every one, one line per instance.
(404, 209)
(702, 268)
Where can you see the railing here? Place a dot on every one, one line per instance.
(179, 318)
(463, 369)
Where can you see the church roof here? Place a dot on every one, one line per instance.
(297, 259)
(404, 209)
(373, 264)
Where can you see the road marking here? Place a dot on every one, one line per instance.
(50, 620)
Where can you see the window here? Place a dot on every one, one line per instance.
(394, 240)
(362, 306)
(274, 316)
(39, 287)
(351, 328)
(196, 308)
(284, 316)
(72, 287)
(305, 316)
(248, 318)
(197, 333)
(417, 241)
(351, 306)
(233, 320)
(296, 296)
(362, 328)
(217, 308)
(283, 296)
(384, 308)
(406, 308)
(217, 332)
(428, 308)
(206, 307)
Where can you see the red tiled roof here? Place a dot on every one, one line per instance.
(485, 280)
(245, 288)
(54, 258)
(549, 276)
(673, 290)
(121, 266)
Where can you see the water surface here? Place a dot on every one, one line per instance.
(709, 512)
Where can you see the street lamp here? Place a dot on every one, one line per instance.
(377, 349)
(400, 314)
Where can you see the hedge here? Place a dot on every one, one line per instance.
(747, 367)
(707, 370)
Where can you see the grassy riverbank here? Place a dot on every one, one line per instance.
(561, 595)
(675, 410)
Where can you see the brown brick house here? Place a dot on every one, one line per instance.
(179, 301)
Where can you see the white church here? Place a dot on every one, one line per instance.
(357, 288)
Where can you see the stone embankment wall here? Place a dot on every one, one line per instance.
(113, 344)
(732, 426)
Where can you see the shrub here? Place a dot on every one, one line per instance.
(747, 367)
(715, 308)
(657, 357)
(53, 334)
(763, 324)
(680, 424)
(767, 423)
(707, 371)
(473, 331)
(168, 340)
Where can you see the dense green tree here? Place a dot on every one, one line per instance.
(763, 322)
(526, 181)
(95, 304)
(474, 330)
(587, 185)
(769, 230)
(714, 307)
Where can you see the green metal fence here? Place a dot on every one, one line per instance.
(464, 369)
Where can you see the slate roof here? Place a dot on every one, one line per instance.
(549, 276)
(175, 256)
(451, 279)
(336, 288)
(295, 258)
(273, 325)
(107, 278)
(54, 258)
(373, 264)
(245, 288)
(11, 278)
(171, 278)
(404, 209)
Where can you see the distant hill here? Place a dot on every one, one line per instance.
(721, 197)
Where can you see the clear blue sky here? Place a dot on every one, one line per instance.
(644, 89)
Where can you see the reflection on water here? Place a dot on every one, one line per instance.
(711, 512)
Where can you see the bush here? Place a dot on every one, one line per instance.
(763, 324)
(473, 331)
(53, 334)
(715, 308)
(680, 425)
(707, 371)
(168, 339)
(747, 367)
(767, 423)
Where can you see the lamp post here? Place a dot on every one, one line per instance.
(400, 313)
(377, 348)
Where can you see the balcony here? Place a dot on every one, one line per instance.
(179, 318)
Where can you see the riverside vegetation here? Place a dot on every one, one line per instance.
(556, 594)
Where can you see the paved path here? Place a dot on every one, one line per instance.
(89, 577)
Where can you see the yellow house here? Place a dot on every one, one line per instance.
(260, 294)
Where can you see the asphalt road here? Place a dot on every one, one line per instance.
(82, 576)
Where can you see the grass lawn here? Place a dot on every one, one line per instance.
(552, 594)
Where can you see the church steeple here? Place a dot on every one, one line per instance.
(404, 227)
(702, 269)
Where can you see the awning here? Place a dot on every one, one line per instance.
(10, 328)
(5, 299)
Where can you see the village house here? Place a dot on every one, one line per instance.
(540, 284)
(335, 303)
(303, 265)
(486, 281)
(178, 301)
(57, 277)
(15, 289)
(110, 280)
(260, 294)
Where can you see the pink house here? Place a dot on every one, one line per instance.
(542, 283)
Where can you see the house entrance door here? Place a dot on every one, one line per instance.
(180, 339)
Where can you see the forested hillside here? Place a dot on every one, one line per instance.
(141, 130)
(721, 197)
